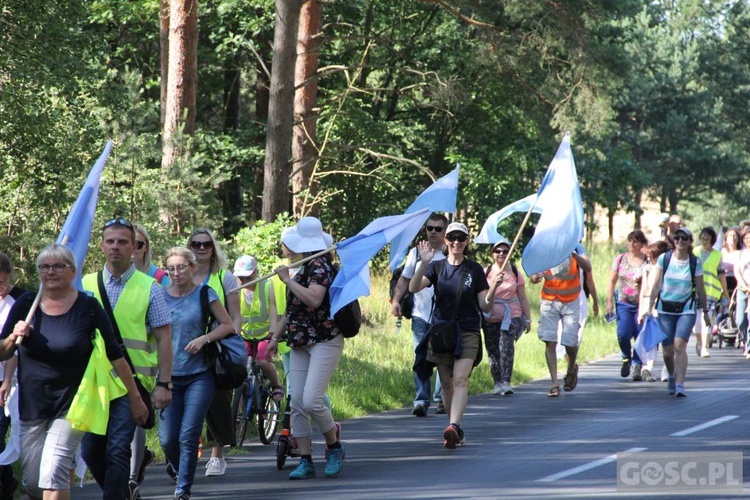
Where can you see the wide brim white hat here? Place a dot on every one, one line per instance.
(309, 236)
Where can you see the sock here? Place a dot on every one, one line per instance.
(306, 457)
(335, 445)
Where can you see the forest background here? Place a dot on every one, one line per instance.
(229, 114)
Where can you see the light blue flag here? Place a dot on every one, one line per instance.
(439, 197)
(561, 228)
(489, 233)
(77, 227)
(353, 279)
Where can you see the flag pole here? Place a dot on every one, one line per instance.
(290, 266)
(518, 235)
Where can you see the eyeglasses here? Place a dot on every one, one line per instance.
(178, 267)
(45, 268)
(140, 244)
(121, 222)
(204, 244)
(436, 229)
(681, 237)
(457, 237)
(503, 251)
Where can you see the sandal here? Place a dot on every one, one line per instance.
(277, 393)
(571, 379)
(554, 392)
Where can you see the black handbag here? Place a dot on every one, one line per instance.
(145, 393)
(444, 333)
(226, 357)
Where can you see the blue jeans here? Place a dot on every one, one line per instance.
(676, 325)
(627, 330)
(108, 457)
(740, 315)
(422, 385)
(182, 425)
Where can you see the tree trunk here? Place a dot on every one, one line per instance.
(164, 55)
(182, 77)
(304, 139)
(277, 168)
(231, 190)
(639, 210)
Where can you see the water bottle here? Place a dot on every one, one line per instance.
(398, 324)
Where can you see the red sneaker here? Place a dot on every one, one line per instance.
(451, 437)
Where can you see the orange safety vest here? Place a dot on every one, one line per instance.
(565, 288)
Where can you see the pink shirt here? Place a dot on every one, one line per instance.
(505, 291)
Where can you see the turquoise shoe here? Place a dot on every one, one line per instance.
(335, 462)
(305, 470)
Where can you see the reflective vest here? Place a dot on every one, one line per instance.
(216, 281)
(130, 314)
(711, 272)
(565, 288)
(255, 319)
(279, 296)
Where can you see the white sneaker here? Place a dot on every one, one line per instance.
(505, 389)
(664, 374)
(498, 389)
(216, 467)
(705, 353)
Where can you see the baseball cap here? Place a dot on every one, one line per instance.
(245, 266)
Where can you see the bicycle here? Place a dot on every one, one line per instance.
(286, 447)
(254, 400)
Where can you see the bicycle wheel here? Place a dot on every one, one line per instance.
(282, 450)
(268, 418)
(239, 406)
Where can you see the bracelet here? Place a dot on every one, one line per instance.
(274, 339)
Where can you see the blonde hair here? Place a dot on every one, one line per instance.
(57, 252)
(219, 259)
(148, 255)
(183, 252)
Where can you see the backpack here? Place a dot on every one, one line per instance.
(512, 268)
(407, 300)
(349, 317)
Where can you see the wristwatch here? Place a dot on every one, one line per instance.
(167, 385)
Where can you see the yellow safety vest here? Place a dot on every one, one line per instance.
(89, 410)
(279, 296)
(216, 281)
(255, 318)
(130, 314)
(711, 272)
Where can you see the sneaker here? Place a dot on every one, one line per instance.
(505, 389)
(216, 467)
(498, 389)
(133, 491)
(705, 353)
(636, 373)
(647, 376)
(451, 437)
(671, 385)
(461, 440)
(335, 462)
(182, 496)
(171, 472)
(305, 470)
(419, 410)
(148, 457)
(440, 410)
(625, 369)
(680, 391)
(664, 374)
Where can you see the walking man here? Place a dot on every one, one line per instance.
(559, 305)
(422, 311)
(136, 305)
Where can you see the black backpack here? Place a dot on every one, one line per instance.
(349, 317)
(407, 300)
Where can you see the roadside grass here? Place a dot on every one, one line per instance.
(374, 373)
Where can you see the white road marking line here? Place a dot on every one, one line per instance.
(585, 467)
(708, 424)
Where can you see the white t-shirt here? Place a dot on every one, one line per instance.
(423, 298)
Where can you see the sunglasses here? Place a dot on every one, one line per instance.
(120, 222)
(503, 251)
(436, 229)
(199, 244)
(681, 237)
(140, 244)
(457, 237)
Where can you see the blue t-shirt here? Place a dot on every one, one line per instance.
(187, 324)
(677, 284)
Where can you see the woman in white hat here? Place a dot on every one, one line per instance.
(509, 318)
(461, 294)
(316, 346)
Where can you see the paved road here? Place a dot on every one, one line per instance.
(521, 446)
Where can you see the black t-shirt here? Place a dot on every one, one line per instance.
(53, 358)
(445, 278)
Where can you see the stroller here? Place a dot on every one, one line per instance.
(725, 330)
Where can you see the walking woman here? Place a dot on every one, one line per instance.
(508, 319)
(461, 295)
(715, 283)
(143, 256)
(730, 254)
(52, 360)
(742, 274)
(193, 382)
(316, 346)
(623, 293)
(678, 278)
(652, 253)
